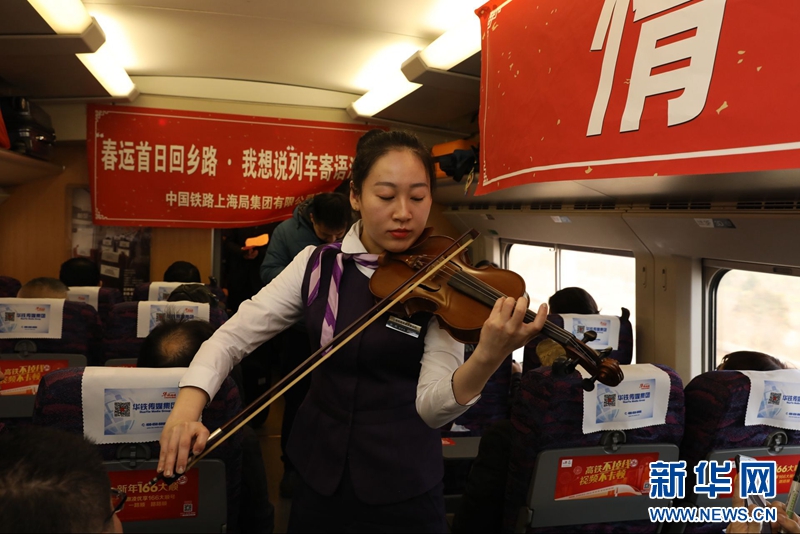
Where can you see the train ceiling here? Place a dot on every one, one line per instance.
(303, 52)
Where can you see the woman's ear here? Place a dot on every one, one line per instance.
(355, 200)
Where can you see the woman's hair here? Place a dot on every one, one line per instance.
(573, 300)
(377, 143)
(182, 271)
(745, 360)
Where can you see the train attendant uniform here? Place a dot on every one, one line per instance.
(365, 440)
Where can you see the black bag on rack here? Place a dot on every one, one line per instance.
(29, 127)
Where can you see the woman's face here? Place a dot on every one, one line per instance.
(394, 202)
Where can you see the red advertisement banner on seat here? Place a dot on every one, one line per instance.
(154, 167)
(599, 477)
(21, 377)
(159, 501)
(622, 88)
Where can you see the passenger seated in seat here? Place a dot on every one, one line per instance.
(182, 271)
(573, 300)
(745, 360)
(54, 481)
(80, 272)
(174, 344)
(43, 288)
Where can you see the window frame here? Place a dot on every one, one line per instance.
(713, 273)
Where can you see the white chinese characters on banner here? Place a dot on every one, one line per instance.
(703, 18)
(193, 199)
(290, 165)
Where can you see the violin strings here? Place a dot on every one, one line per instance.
(488, 291)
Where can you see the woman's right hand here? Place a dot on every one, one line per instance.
(183, 432)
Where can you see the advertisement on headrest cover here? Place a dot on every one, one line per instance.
(153, 313)
(605, 326)
(87, 295)
(31, 318)
(162, 290)
(774, 398)
(641, 400)
(127, 405)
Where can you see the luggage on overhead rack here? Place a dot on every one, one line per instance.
(29, 127)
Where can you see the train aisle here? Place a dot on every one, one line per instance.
(269, 435)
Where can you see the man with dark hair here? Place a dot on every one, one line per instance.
(321, 219)
(182, 271)
(174, 343)
(79, 272)
(54, 481)
(43, 288)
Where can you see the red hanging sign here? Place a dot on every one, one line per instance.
(598, 477)
(21, 377)
(153, 167)
(621, 88)
(159, 501)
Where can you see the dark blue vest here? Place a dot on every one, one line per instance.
(360, 410)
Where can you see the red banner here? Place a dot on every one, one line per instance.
(159, 501)
(153, 167)
(21, 377)
(785, 467)
(620, 88)
(598, 477)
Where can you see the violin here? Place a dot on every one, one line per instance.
(433, 275)
(462, 296)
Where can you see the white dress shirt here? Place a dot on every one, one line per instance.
(279, 305)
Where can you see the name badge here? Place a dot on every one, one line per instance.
(404, 327)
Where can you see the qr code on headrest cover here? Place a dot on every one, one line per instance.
(122, 409)
(609, 400)
(774, 398)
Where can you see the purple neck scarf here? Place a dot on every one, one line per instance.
(329, 323)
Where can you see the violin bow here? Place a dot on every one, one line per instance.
(216, 438)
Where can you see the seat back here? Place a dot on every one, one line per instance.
(22, 375)
(623, 353)
(81, 333)
(549, 445)
(107, 297)
(9, 287)
(716, 405)
(120, 334)
(59, 404)
(494, 404)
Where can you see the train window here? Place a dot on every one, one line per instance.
(758, 311)
(610, 277)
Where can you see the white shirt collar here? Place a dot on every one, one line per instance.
(351, 244)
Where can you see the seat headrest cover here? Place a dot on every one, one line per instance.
(605, 326)
(774, 398)
(31, 318)
(127, 405)
(88, 295)
(641, 400)
(162, 290)
(151, 313)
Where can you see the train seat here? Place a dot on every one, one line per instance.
(9, 287)
(81, 333)
(716, 405)
(551, 455)
(623, 353)
(143, 291)
(120, 333)
(59, 404)
(106, 298)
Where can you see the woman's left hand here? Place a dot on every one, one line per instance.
(504, 331)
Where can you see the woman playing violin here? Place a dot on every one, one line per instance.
(365, 440)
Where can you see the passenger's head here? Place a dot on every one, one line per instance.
(393, 179)
(330, 216)
(182, 271)
(573, 300)
(53, 481)
(745, 360)
(43, 288)
(79, 272)
(194, 293)
(174, 343)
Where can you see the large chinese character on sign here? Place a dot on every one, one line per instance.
(153, 167)
(624, 88)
